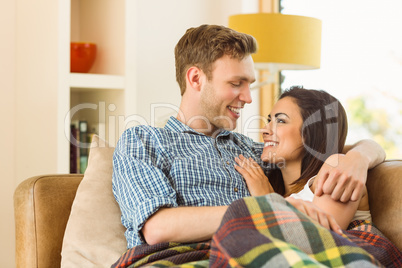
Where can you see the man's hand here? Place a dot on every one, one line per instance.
(342, 176)
(317, 214)
(257, 183)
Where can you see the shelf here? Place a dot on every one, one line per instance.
(79, 81)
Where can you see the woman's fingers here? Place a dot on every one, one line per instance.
(239, 167)
(248, 164)
(326, 220)
(318, 215)
(334, 225)
(257, 182)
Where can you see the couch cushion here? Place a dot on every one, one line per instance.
(94, 235)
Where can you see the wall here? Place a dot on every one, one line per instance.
(7, 133)
(36, 88)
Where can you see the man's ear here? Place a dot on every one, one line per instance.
(194, 77)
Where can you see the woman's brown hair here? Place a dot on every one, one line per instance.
(323, 132)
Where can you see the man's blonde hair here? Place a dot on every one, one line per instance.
(203, 45)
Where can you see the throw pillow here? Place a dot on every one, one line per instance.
(94, 235)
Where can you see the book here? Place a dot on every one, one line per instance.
(74, 148)
(84, 145)
(80, 143)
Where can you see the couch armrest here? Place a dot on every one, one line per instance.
(384, 186)
(42, 207)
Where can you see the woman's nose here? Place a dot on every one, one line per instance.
(267, 130)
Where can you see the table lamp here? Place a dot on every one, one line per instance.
(285, 42)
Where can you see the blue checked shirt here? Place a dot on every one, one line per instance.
(176, 166)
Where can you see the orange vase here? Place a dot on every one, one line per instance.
(82, 56)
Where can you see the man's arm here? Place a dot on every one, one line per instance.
(183, 224)
(139, 184)
(193, 224)
(368, 149)
(344, 177)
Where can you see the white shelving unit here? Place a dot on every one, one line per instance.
(110, 24)
(97, 81)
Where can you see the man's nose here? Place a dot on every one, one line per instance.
(245, 95)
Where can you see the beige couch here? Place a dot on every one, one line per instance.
(43, 205)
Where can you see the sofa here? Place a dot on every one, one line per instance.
(49, 210)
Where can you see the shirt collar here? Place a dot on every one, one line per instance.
(174, 124)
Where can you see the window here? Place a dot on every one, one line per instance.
(361, 65)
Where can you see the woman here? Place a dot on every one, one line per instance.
(304, 128)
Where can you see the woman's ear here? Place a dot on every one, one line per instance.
(194, 78)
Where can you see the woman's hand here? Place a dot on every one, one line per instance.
(317, 214)
(257, 183)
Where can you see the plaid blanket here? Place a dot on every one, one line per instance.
(166, 255)
(267, 231)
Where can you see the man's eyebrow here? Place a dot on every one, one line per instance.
(244, 78)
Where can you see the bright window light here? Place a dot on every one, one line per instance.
(361, 65)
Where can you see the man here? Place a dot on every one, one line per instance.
(175, 183)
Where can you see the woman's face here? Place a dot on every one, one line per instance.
(282, 135)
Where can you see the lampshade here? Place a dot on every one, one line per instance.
(289, 42)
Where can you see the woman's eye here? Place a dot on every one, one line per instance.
(235, 84)
(278, 120)
(269, 120)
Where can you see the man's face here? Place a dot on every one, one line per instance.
(227, 92)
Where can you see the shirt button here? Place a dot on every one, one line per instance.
(236, 190)
(227, 162)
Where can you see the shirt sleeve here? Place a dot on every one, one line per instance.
(140, 185)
